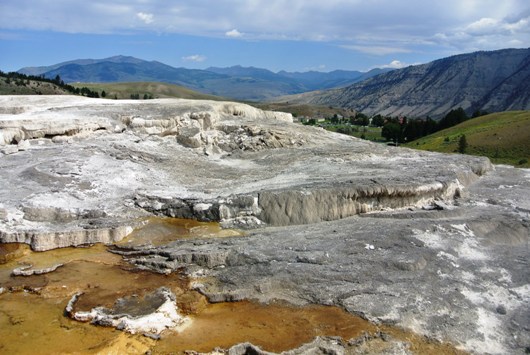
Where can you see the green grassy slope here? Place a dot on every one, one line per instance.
(304, 109)
(29, 87)
(156, 90)
(503, 137)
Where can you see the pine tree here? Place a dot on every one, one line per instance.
(462, 144)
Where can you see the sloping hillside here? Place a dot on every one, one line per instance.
(489, 81)
(112, 72)
(10, 86)
(44, 69)
(502, 137)
(153, 90)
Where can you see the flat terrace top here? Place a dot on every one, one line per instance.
(94, 154)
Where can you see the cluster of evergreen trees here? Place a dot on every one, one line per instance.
(23, 79)
(400, 130)
(145, 97)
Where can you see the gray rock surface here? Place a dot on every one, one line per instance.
(441, 246)
(333, 346)
(320, 345)
(28, 270)
(116, 161)
(457, 275)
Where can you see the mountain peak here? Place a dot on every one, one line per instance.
(122, 59)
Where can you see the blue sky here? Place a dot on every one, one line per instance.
(294, 35)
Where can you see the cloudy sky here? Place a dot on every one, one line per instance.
(293, 35)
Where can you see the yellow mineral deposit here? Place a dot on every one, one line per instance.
(32, 308)
(11, 251)
(160, 231)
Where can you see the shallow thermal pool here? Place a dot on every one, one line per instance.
(32, 308)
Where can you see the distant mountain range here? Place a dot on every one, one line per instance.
(243, 83)
(488, 81)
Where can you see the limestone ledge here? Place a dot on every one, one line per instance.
(210, 124)
(28, 270)
(305, 204)
(42, 240)
(204, 160)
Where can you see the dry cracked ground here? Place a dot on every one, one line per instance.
(434, 244)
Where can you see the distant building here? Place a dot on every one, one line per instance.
(304, 119)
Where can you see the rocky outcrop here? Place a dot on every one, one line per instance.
(320, 345)
(457, 274)
(328, 204)
(205, 160)
(41, 240)
(164, 262)
(312, 204)
(28, 270)
(151, 314)
(206, 125)
(243, 209)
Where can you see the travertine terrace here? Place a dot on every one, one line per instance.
(434, 243)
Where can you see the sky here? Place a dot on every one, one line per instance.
(292, 35)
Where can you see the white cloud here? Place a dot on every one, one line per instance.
(395, 64)
(145, 17)
(522, 25)
(371, 27)
(485, 25)
(194, 58)
(376, 50)
(233, 33)
(489, 33)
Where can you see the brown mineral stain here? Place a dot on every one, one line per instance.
(160, 231)
(273, 327)
(12, 251)
(32, 308)
(280, 327)
(35, 320)
(30, 324)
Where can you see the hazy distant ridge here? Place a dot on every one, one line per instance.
(245, 83)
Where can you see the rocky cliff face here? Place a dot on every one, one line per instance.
(490, 81)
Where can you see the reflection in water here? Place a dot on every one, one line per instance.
(274, 327)
(32, 308)
(161, 231)
(12, 251)
(31, 316)
(31, 324)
